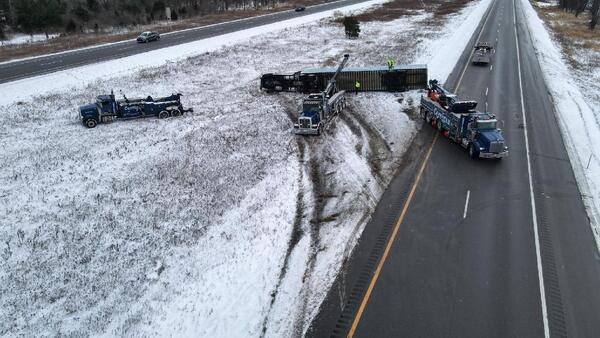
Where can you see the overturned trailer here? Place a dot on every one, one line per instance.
(370, 78)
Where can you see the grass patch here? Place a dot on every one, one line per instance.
(398, 8)
(573, 33)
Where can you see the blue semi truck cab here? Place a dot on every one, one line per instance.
(460, 122)
(318, 108)
(107, 108)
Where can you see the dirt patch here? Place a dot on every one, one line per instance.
(398, 8)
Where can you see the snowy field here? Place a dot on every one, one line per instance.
(220, 223)
(576, 93)
(21, 39)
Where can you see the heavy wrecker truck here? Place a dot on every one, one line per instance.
(107, 108)
(460, 122)
(320, 107)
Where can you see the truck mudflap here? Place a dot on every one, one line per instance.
(494, 155)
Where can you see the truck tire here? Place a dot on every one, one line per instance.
(427, 118)
(163, 114)
(320, 130)
(439, 126)
(472, 152)
(176, 113)
(422, 113)
(90, 123)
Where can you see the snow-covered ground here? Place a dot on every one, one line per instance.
(20, 39)
(220, 223)
(576, 93)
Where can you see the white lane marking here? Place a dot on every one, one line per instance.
(491, 67)
(531, 196)
(486, 91)
(466, 204)
(49, 63)
(473, 50)
(486, 106)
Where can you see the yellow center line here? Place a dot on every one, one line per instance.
(392, 238)
(388, 247)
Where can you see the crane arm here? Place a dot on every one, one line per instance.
(331, 84)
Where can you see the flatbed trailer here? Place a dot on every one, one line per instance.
(374, 78)
(370, 78)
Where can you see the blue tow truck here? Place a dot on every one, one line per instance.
(107, 108)
(460, 122)
(318, 108)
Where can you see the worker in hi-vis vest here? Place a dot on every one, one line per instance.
(391, 63)
(356, 86)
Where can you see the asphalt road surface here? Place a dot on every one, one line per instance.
(485, 248)
(47, 64)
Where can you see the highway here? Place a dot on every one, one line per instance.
(11, 71)
(477, 248)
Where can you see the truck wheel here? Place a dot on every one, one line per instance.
(90, 123)
(163, 114)
(472, 152)
(176, 113)
(427, 118)
(439, 126)
(319, 130)
(422, 113)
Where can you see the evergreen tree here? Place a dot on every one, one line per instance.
(595, 11)
(38, 15)
(352, 27)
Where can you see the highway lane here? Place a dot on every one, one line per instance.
(51, 63)
(459, 269)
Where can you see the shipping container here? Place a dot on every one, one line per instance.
(374, 78)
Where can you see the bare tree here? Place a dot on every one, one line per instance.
(595, 11)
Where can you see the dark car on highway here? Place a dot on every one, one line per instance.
(300, 9)
(483, 53)
(148, 36)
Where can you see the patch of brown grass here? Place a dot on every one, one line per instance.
(398, 8)
(573, 34)
(569, 28)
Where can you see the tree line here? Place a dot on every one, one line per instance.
(31, 16)
(579, 6)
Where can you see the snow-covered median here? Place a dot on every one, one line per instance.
(579, 120)
(220, 223)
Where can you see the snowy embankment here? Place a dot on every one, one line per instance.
(220, 223)
(21, 39)
(579, 120)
